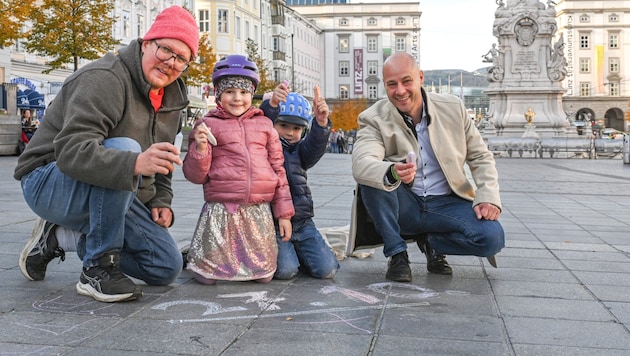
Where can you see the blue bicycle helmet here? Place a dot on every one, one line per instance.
(235, 65)
(296, 110)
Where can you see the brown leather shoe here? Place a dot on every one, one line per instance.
(436, 263)
(398, 269)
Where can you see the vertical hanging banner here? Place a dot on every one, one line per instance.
(358, 71)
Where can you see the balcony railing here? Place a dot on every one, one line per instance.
(277, 20)
(279, 56)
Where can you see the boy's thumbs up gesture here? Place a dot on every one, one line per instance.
(320, 108)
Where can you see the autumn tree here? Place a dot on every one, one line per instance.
(266, 83)
(345, 113)
(70, 30)
(200, 71)
(13, 14)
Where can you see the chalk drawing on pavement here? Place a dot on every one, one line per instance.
(392, 289)
(82, 306)
(211, 307)
(260, 298)
(352, 294)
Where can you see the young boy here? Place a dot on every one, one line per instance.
(306, 250)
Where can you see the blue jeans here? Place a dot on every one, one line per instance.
(109, 220)
(448, 220)
(307, 249)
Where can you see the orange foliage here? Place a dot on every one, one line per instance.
(345, 113)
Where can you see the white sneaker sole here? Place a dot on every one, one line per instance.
(38, 230)
(88, 290)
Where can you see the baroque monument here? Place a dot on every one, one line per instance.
(527, 70)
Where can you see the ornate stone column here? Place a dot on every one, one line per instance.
(527, 69)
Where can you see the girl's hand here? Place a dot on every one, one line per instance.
(203, 136)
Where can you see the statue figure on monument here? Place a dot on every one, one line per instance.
(557, 62)
(529, 116)
(495, 73)
(492, 56)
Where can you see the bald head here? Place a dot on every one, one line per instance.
(403, 82)
(401, 60)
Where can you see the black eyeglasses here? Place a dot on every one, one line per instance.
(165, 54)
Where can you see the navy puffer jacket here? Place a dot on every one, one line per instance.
(298, 158)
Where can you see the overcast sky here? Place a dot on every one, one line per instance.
(455, 33)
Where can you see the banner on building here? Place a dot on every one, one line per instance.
(358, 71)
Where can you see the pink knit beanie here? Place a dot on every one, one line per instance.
(175, 22)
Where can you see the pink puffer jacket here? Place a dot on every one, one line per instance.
(246, 165)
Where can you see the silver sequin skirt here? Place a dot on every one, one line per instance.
(237, 246)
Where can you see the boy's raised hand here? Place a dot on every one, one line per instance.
(279, 94)
(320, 108)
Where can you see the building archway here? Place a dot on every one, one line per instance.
(614, 118)
(585, 114)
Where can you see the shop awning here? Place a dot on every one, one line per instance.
(22, 100)
(36, 100)
(196, 102)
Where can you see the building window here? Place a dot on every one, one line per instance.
(584, 18)
(585, 65)
(372, 44)
(371, 89)
(344, 68)
(585, 40)
(247, 30)
(585, 89)
(372, 67)
(126, 23)
(237, 27)
(613, 65)
(400, 21)
(204, 20)
(344, 44)
(276, 43)
(613, 89)
(140, 25)
(401, 43)
(343, 92)
(344, 22)
(371, 21)
(222, 21)
(613, 18)
(613, 40)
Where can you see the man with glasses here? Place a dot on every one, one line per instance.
(98, 174)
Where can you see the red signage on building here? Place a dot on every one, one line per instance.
(358, 71)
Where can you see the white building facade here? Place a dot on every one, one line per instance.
(357, 38)
(597, 39)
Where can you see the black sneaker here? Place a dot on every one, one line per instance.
(40, 249)
(106, 283)
(436, 263)
(398, 269)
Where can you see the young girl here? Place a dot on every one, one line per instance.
(236, 154)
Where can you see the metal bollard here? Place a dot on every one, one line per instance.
(626, 149)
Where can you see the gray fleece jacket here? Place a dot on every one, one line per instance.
(107, 98)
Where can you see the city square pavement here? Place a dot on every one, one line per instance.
(562, 286)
